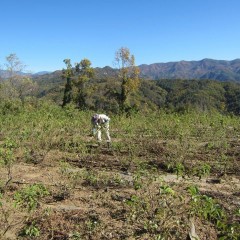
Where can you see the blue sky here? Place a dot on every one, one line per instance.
(44, 32)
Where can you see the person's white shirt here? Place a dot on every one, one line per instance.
(103, 118)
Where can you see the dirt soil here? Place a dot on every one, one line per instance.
(94, 206)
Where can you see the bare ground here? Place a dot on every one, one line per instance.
(80, 207)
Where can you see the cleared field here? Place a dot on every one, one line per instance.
(165, 176)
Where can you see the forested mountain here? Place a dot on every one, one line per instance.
(205, 69)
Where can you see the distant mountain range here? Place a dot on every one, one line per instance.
(41, 73)
(221, 70)
(5, 74)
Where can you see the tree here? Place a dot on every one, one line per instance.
(25, 87)
(14, 65)
(128, 75)
(68, 74)
(75, 88)
(17, 85)
(84, 72)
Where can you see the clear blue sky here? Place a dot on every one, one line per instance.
(44, 32)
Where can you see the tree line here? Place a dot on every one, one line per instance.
(80, 86)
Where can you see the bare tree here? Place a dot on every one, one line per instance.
(16, 85)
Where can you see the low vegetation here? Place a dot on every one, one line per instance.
(166, 175)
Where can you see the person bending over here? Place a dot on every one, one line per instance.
(100, 122)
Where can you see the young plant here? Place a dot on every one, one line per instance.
(179, 169)
(203, 171)
(7, 157)
(30, 230)
(29, 197)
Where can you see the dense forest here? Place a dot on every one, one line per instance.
(173, 95)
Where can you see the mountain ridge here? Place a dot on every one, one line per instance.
(222, 70)
(207, 68)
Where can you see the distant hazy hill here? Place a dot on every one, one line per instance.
(41, 73)
(5, 74)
